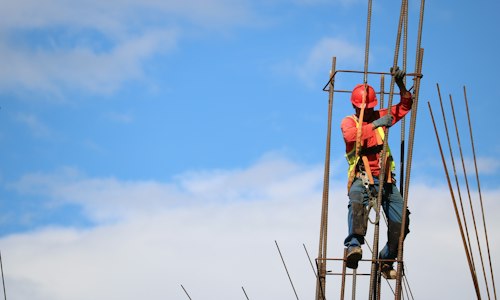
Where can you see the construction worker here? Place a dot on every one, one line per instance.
(364, 172)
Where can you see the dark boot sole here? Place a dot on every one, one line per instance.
(352, 260)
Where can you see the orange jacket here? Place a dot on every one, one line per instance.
(370, 147)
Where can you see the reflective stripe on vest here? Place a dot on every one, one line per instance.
(353, 160)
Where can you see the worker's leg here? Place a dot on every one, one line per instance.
(356, 215)
(357, 222)
(393, 208)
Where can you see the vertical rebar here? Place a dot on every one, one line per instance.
(474, 279)
(403, 120)
(480, 195)
(382, 90)
(470, 199)
(382, 175)
(411, 140)
(323, 235)
(367, 40)
(344, 268)
(419, 55)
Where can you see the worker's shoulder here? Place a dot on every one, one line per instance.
(350, 119)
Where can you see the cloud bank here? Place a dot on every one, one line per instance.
(98, 46)
(214, 232)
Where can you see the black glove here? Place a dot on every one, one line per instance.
(384, 121)
(398, 75)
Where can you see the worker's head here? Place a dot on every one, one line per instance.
(357, 96)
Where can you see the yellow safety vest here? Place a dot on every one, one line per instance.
(353, 160)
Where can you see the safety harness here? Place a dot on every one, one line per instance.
(359, 166)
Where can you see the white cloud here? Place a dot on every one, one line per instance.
(214, 232)
(82, 67)
(109, 16)
(319, 59)
(97, 45)
(120, 117)
(485, 165)
(343, 2)
(107, 199)
(36, 127)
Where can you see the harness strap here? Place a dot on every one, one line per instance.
(367, 169)
(388, 171)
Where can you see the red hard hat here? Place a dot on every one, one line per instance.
(357, 96)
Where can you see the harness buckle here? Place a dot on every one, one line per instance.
(372, 198)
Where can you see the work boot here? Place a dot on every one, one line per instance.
(388, 271)
(354, 254)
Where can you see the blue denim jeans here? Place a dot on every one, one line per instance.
(392, 204)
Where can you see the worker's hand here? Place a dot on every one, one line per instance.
(399, 75)
(383, 121)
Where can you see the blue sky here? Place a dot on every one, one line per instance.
(139, 138)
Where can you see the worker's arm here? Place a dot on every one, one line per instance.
(406, 98)
(349, 130)
(399, 110)
(399, 76)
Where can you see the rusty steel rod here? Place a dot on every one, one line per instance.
(367, 40)
(418, 67)
(382, 175)
(314, 271)
(325, 88)
(470, 199)
(244, 292)
(373, 279)
(452, 194)
(186, 292)
(469, 244)
(3, 280)
(322, 292)
(344, 268)
(310, 261)
(403, 120)
(354, 276)
(286, 269)
(407, 282)
(479, 191)
(323, 235)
